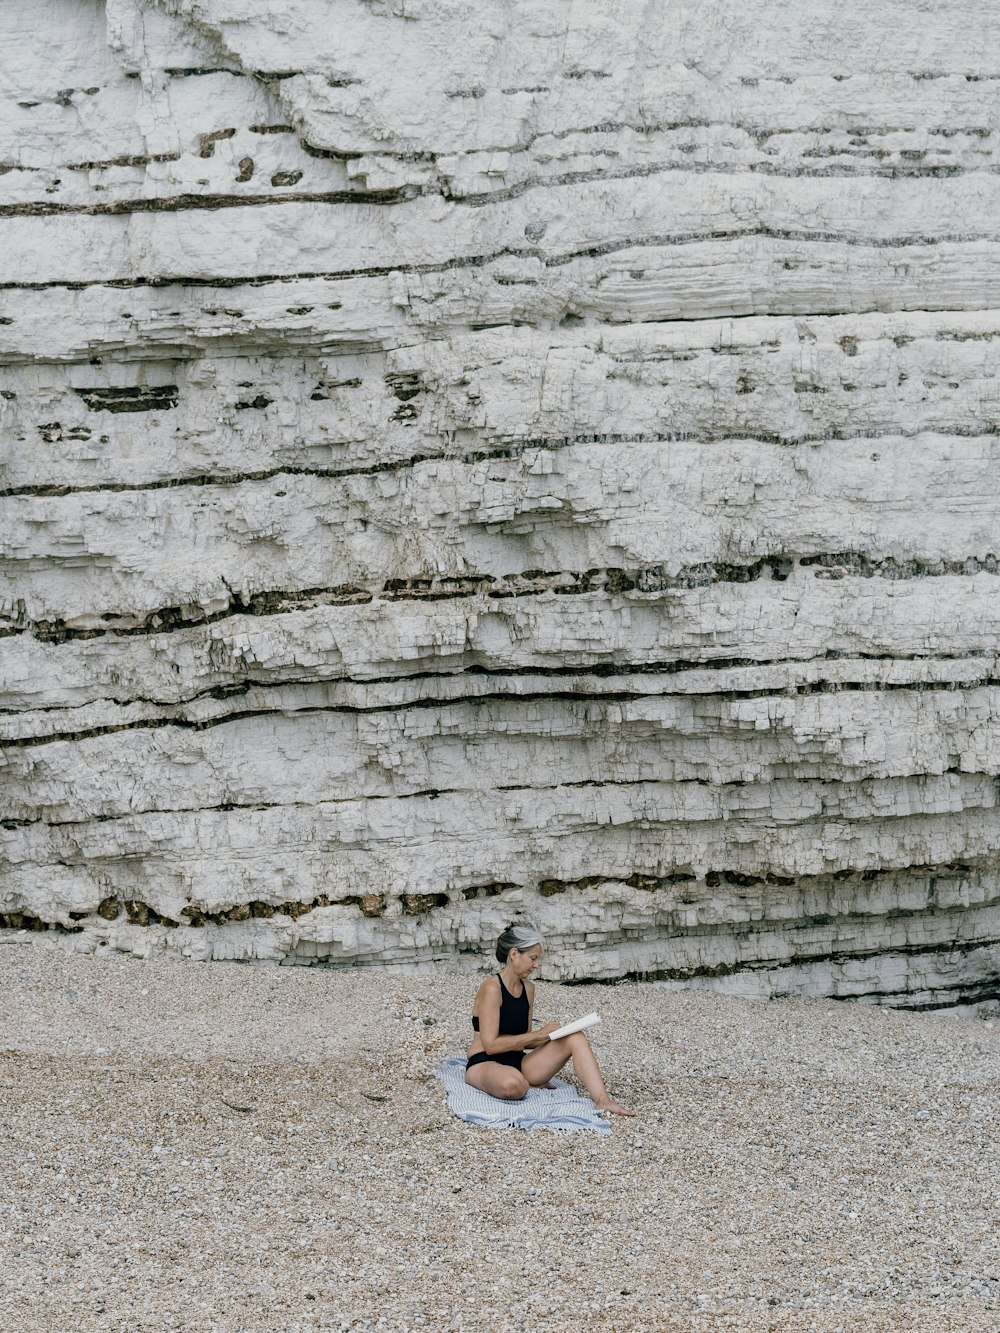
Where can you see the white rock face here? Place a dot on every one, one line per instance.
(469, 461)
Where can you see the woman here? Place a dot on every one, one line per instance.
(506, 1057)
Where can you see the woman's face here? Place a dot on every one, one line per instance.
(526, 963)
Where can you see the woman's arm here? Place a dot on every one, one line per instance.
(540, 1035)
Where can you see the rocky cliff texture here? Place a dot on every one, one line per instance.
(464, 460)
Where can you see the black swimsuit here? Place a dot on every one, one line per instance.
(513, 1021)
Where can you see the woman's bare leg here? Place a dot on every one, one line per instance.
(540, 1064)
(498, 1080)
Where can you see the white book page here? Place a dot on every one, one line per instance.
(587, 1021)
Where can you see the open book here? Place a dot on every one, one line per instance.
(587, 1021)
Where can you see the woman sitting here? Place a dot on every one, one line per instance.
(506, 1057)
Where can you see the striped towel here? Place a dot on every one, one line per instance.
(540, 1109)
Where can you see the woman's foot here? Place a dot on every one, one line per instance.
(609, 1107)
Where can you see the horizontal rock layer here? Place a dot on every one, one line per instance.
(561, 481)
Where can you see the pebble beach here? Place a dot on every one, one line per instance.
(206, 1147)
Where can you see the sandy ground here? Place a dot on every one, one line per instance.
(219, 1147)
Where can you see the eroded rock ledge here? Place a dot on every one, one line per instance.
(565, 485)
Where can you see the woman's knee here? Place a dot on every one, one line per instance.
(512, 1085)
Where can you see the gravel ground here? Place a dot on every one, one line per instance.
(218, 1147)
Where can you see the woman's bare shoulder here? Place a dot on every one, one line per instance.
(488, 987)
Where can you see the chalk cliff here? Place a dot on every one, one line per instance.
(462, 461)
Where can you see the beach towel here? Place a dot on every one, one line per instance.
(562, 1109)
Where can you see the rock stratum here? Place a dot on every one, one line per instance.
(534, 458)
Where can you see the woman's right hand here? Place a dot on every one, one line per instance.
(541, 1035)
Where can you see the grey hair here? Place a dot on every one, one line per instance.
(520, 936)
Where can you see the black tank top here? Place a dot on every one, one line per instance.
(513, 1011)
